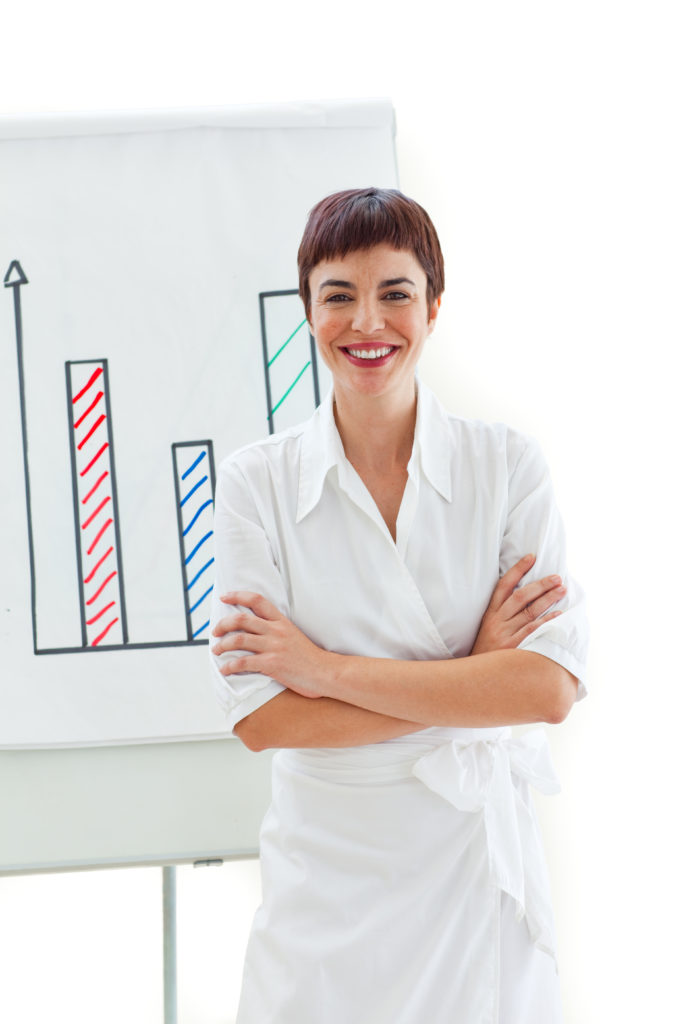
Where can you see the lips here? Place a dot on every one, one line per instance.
(369, 355)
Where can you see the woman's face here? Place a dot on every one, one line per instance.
(370, 319)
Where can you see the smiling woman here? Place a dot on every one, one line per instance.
(383, 623)
(369, 311)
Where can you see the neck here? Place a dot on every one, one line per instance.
(377, 431)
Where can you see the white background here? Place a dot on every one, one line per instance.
(545, 140)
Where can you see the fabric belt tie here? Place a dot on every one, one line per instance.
(476, 776)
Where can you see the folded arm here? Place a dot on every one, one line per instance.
(290, 720)
(339, 700)
(497, 688)
(484, 690)
(346, 700)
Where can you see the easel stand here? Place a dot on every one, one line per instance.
(170, 950)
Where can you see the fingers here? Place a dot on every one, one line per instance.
(246, 630)
(262, 609)
(536, 609)
(531, 627)
(515, 611)
(245, 621)
(508, 582)
(242, 663)
(240, 641)
(534, 598)
(259, 604)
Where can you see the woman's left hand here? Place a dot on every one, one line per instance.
(274, 645)
(515, 611)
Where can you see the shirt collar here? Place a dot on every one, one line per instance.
(321, 448)
(433, 440)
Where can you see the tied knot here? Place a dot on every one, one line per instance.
(491, 776)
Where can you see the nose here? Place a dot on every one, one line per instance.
(367, 315)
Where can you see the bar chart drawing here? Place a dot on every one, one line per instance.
(96, 518)
(150, 332)
(194, 476)
(102, 616)
(289, 360)
(95, 499)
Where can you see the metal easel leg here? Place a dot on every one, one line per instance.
(170, 958)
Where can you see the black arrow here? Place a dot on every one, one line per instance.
(15, 278)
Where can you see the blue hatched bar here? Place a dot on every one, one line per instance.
(194, 477)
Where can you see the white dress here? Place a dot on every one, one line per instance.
(404, 881)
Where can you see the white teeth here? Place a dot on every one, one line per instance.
(370, 353)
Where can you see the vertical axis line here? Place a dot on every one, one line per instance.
(183, 567)
(266, 368)
(16, 288)
(74, 489)
(115, 502)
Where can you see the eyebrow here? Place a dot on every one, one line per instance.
(389, 283)
(396, 280)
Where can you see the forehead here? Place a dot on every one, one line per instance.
(374, 265)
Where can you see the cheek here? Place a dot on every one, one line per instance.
(323, 342)
(411, 324)
(324, 329)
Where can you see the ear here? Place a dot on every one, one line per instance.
(433, 313)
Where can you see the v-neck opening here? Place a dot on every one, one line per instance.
(364, 500)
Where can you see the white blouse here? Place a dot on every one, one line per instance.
(295, 522)
(403, 881)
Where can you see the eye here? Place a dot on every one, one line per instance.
(338, 297)
(396, 296)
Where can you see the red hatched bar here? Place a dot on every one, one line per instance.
(96, 519)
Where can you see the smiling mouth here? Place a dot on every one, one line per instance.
(370, 354)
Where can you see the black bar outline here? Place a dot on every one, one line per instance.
(74, 494)
(264, 343)
(114, 495)
(314, 370)
(115, 500)
(122, 647)
(208, 444)
(15, 286)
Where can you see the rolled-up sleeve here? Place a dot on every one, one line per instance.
(244, 561)
(534, 526)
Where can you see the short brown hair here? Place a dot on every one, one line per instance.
(360, 218)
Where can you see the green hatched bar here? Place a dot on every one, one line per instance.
(284, 346)
(276, 407)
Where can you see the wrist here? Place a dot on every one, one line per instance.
(330, 673)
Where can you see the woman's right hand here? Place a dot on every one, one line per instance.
(515, 612)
